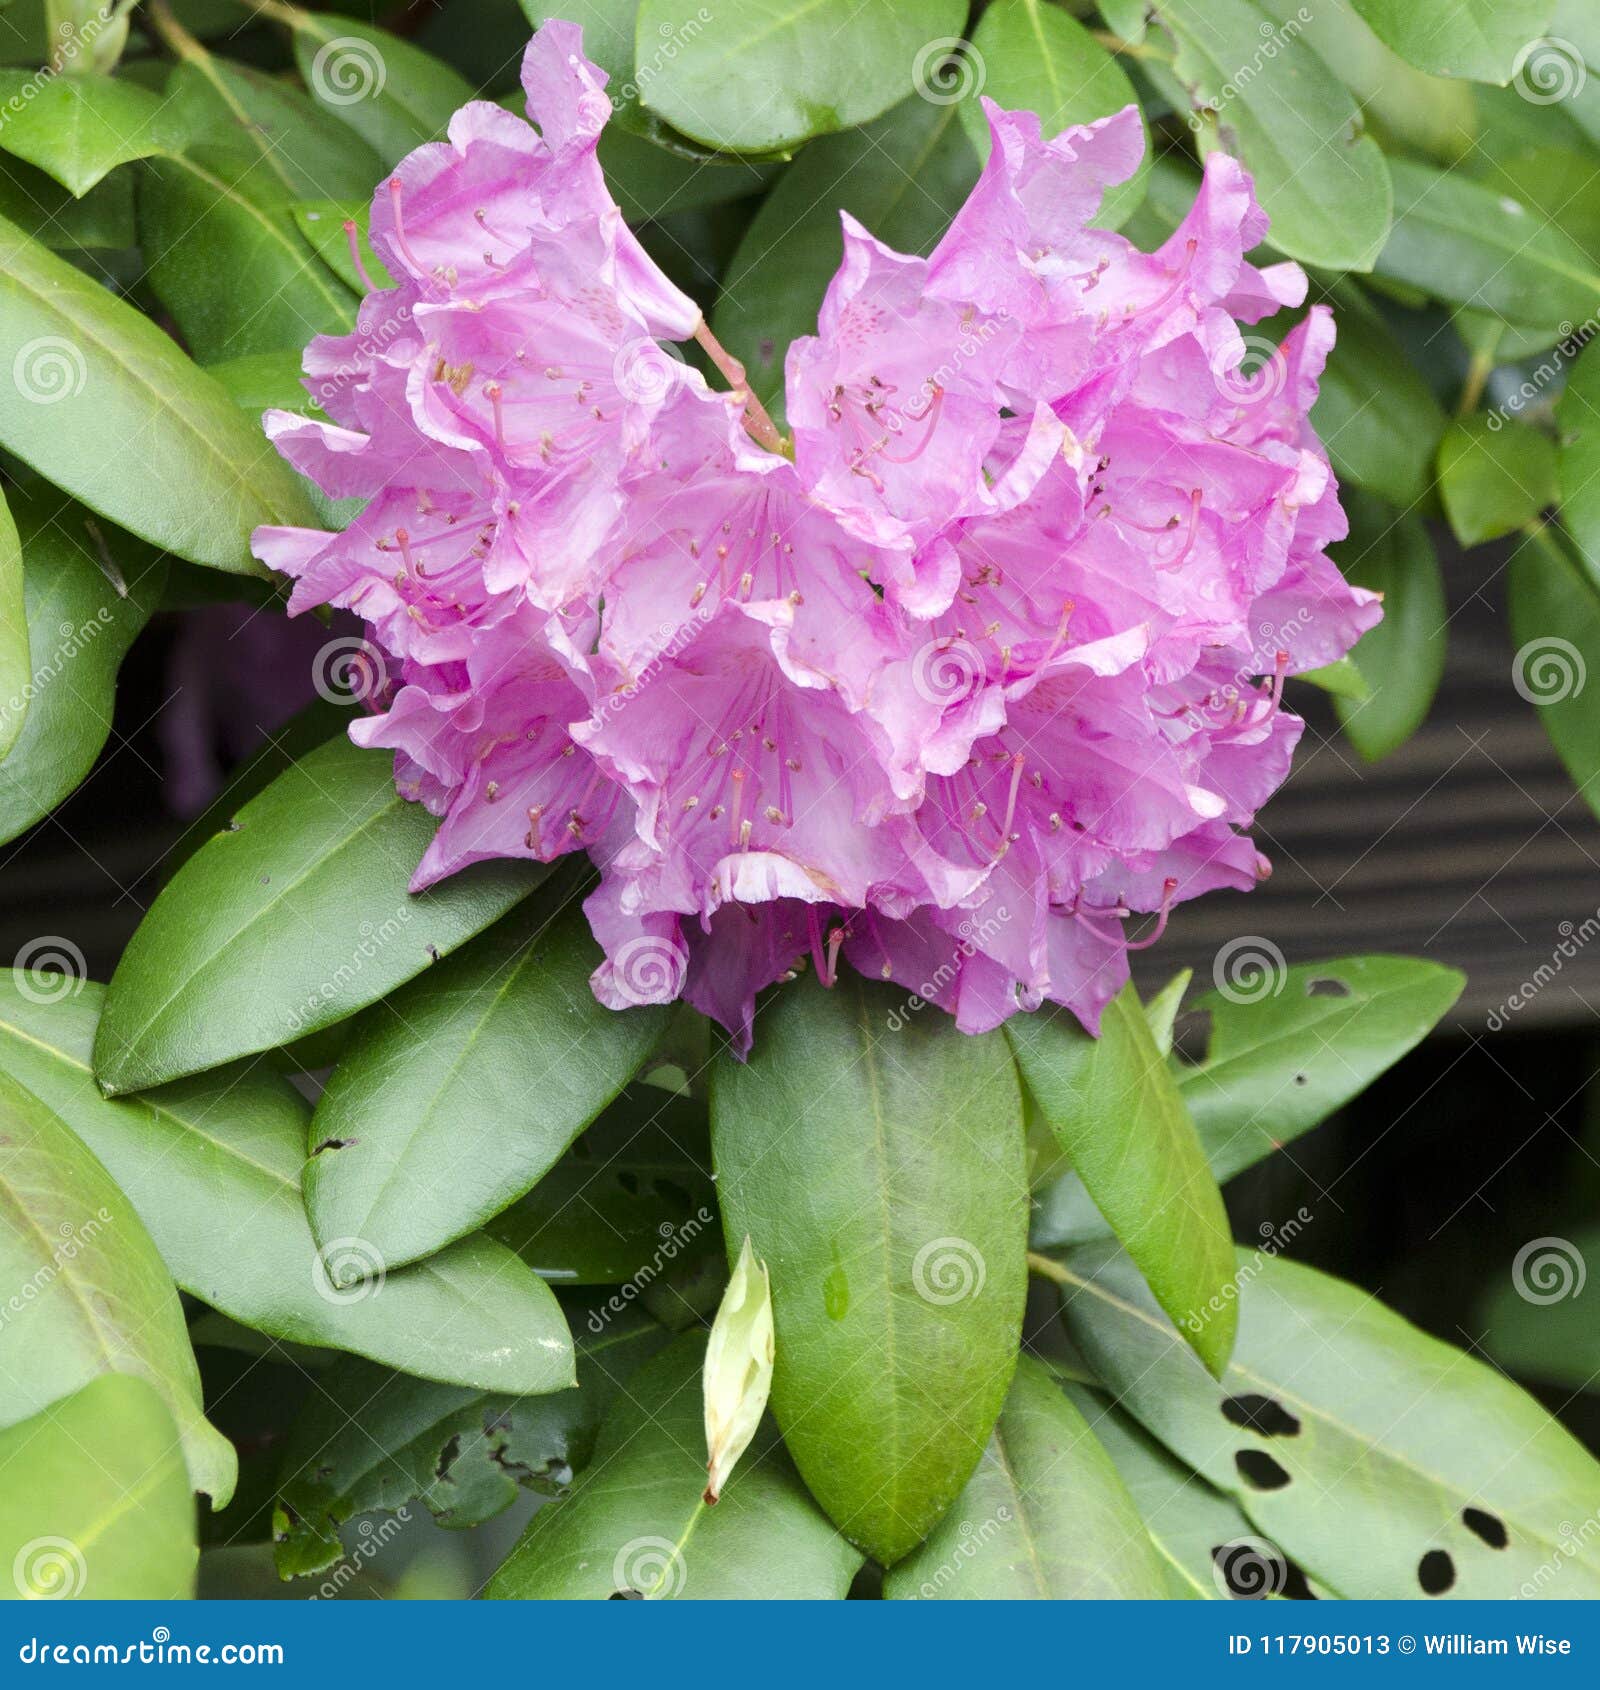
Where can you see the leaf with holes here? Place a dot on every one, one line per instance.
(881, 1177)
(1402, 659)
(460, 1092)
(102, 1300)
(119, 1526)
(213, 1167)
(633, 1195)
(370, 1438)
(292, 918)
(904, 177)
(1482, 40)
(86, 593)
(105, 406)
(636, 1522)
(1035, 57)
(1118, 1116)
(1495, 477)
(1386, 1463)
(1046, 1516)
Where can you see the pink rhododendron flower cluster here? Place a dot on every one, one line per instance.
(980, 668)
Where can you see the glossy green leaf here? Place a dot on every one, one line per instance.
(1465, 244)
(370, 1438)
(1477, 39)
(322, 223)
(632, 1197)
(90, 374)
(1340, 679)
(1386, 1463)
(307, 153)
(226, 259)
(1211, 1551)
(1495, 477)
(78, 128)
(1579, 463)
(455, 1096)
(635, 1521)
(1045, 1517)
(1259, 90)
(42, 208)
(391, 93)
(1541, 1318)
(94, 1499)
(87, 1292)
(292, 918)
(1375, 412)
(763, 75)
(648, 181)
(1115, 1108)
(213, 1164)
(1036, 58)
(898, 1280)
(79, 624)
(16, 675)
(1402, 659)
(1555, 627)
(904, 177)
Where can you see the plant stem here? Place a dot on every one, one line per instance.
(1047, 1269)
(761, 426)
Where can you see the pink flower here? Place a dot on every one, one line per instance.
(969, 692)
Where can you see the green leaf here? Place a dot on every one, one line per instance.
(1465, 244)
(213, 1164)
(1044, 1518)
(1322, 181)
(309, 154)
(898, 1280)
(647, 181)
(42, 208)
(79, 624)
(1210, 1549)
(1555, 623)
(321, 223)
(291, 919)
(16, 677)
(87, 1290)
(227, 261)
(631, 1197)
(1340, 679)
(1495, 477)
(1115, 1108)
(1579, 463)
(904, 177)
(764, 75)
(1572, 70)
(78, 128)
(1539, 1320)
(1375, 412)
(1402, 659)
(458, 1094)
(118, 1526)
(1035, 57)
(90, 375)
(370, 1438)
(1476, 39)
(393, 95)
(1383, 1461)
(635, 1522)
